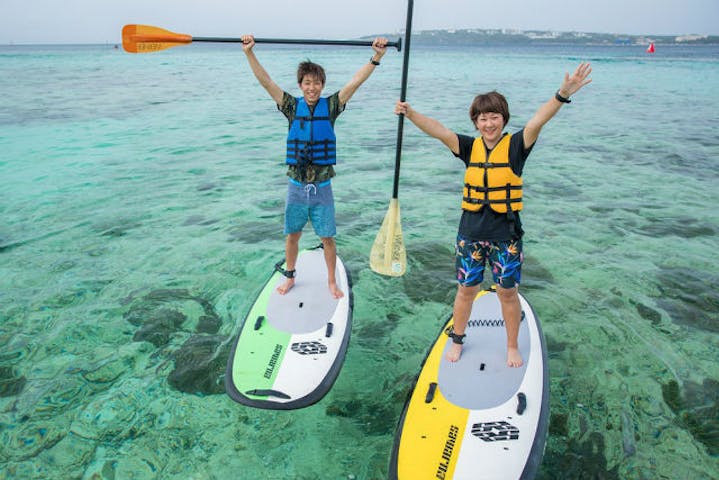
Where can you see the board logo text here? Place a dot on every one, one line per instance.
(447, 452)
(273, 361)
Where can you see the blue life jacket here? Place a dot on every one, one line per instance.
(311, 138)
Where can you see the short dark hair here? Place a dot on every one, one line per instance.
(491, 102)
(309, 68)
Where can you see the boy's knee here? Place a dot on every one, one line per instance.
(294, 237)
(507, 293)
(467, 293)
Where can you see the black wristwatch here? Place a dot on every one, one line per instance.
(561, 98)
(373, 61)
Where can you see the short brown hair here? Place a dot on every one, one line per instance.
(309, 68)
(491, 102)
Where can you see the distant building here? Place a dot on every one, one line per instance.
(543, 35)
(690, 38)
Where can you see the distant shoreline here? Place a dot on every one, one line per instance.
(545, 37)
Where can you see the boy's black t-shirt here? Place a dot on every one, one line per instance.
(486, 224)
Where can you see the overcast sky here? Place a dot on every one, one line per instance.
(99, 21)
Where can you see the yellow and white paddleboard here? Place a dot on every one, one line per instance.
(477, 418)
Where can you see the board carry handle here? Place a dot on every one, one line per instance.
(328, 331)
(258, 322)
(268, 393)
(430, 392)
(521, 403)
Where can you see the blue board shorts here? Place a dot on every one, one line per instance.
(504, 257)
(313, 202)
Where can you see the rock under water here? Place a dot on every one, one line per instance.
(200, 365)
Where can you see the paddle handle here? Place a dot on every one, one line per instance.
(402, 96)
(299, 41)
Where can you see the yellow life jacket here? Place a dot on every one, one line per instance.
(491, 181)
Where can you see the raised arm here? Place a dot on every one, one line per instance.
(570, 86)
(380, 48)
(248, 42)
(430, 126)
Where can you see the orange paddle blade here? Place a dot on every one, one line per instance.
(146, 39)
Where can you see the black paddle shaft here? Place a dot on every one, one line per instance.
(299, 41)
(402, 96)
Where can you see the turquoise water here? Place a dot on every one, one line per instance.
(141, 212)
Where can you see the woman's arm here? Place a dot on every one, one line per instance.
(569, 87)
(428, 125)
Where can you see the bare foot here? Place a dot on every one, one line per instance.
(286, 287)
(335, 290)
(454, 352)
(514, 358)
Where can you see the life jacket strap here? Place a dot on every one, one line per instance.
(492, 189)
(486, 201)
(488, 164)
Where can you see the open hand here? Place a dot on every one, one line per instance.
(572, 83)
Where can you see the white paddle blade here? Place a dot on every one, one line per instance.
(388, 256)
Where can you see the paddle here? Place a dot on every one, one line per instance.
(388, 255)
(147, 39)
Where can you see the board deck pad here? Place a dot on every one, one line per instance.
(291, 347)
(484, 360)
(309, 304)
(477, 418)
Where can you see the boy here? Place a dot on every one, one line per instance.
(490, 229)
(311, 153)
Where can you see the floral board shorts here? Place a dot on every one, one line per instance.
(313, 202)
(504, 257)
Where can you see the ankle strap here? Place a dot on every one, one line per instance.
(286, 273)
(456, 338)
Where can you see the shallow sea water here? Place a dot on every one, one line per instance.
(141, 212)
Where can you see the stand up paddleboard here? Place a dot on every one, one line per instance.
(291, 347)
(477, 418)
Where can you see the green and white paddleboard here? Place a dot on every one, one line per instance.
(291, 347)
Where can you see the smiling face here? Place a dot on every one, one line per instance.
(490, 114)
(311, 87)
(311, 80)
(490, 126)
